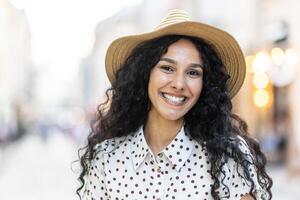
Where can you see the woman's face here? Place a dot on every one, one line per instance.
(176, 81)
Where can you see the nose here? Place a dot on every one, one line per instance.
(178, 82)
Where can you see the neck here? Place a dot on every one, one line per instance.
(159, 132)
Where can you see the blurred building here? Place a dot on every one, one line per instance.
(16, 74)
(52, 77)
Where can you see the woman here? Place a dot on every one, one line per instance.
(166, 130)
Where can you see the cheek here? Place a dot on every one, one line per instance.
(196, 88)
(152, 85)
(157, 80)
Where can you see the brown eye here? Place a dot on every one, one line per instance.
(194, 73)
(166, 68)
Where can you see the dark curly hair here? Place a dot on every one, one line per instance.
(210, 122)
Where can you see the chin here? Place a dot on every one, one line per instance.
(173, 117)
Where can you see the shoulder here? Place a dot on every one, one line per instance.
(243, 145)
(245, 153)
(102, 149)
(109, 145)
(245, 175)
(236, 168)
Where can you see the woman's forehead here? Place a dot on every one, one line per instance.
(182, 50)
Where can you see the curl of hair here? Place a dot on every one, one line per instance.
(211, 121)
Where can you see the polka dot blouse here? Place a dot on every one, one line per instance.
(125, 168)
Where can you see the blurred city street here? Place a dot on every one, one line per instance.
(53, 77)
(285, 187)
(32, 169)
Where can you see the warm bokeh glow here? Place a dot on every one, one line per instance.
(53, 81)
(261, 98)
(277, 56)
(261, 63)
(261, 81)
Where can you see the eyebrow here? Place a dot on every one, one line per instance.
(174, 62)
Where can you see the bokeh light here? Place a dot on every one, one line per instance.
(261, 81)
(261, 98)
(261, 63)
(291, 56)
(277, 56)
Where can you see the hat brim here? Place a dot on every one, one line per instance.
(223, 43)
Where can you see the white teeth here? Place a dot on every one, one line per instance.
(174, 99)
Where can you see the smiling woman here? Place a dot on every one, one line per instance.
(169, 132)
(175, 86)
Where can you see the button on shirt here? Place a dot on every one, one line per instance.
(125, 168)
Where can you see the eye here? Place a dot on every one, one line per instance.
(194, 73)
(166, 68)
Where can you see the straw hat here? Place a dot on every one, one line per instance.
(177, 22)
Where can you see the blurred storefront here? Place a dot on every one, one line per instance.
(52, 73)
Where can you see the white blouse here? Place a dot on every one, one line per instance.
(125, 168)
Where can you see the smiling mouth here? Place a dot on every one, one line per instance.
(174, 100)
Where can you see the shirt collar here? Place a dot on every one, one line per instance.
(178, 151)
(139, 148)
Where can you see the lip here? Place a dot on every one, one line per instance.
(170, 103)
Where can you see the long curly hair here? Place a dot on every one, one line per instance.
(210, 122)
